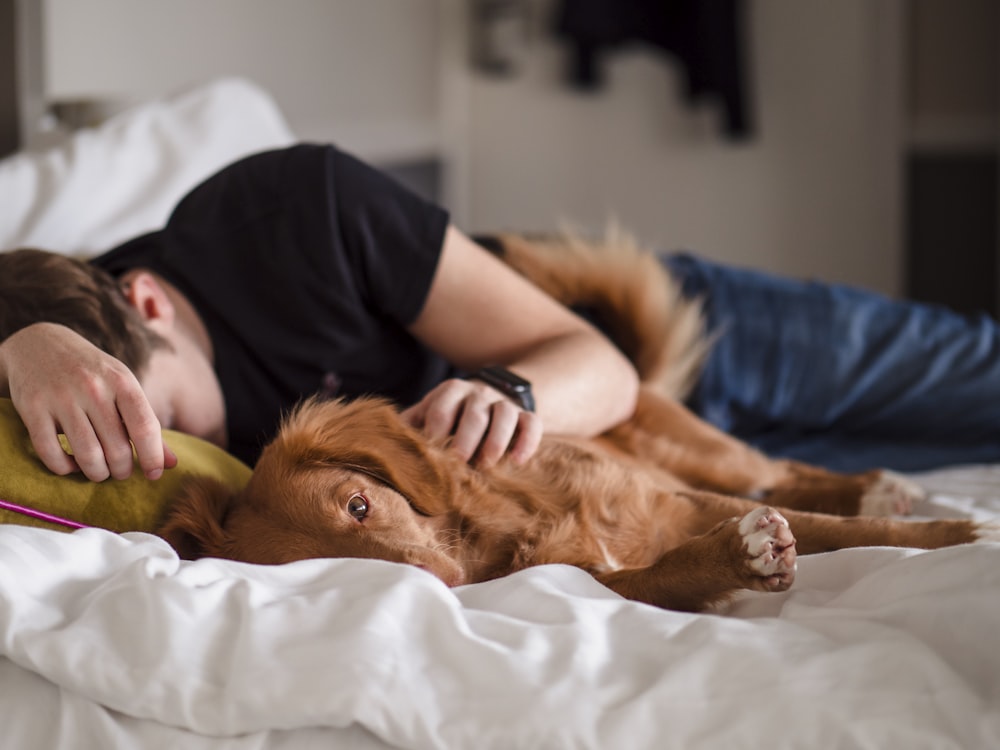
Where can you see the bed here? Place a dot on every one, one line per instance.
(108, 640)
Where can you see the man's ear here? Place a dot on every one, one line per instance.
(145, 293)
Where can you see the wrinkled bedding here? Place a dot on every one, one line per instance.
(111, 641)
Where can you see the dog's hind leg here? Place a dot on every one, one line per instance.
(874, 493)
(665, 433)
(822, 532)
(818, 532)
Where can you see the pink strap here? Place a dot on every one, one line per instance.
(24, 511)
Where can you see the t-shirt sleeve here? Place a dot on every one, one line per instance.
(392, 236)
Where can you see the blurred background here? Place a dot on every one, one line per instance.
(850, 141)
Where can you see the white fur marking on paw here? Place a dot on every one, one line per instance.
(988, 531)
(761, 529)
(892, 495)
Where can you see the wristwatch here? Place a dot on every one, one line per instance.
(514, 387)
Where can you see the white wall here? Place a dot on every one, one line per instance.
(813, 194)
(363, 72)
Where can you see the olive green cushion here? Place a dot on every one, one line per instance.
(133, 504)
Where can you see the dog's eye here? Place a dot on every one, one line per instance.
(357, 506)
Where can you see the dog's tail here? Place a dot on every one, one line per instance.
(634, 298)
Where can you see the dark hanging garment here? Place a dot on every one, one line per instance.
(704, 36)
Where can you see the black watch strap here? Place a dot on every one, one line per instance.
(514, 387)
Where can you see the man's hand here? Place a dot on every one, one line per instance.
(61, 383)
(484, 423)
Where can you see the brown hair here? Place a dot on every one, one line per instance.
(44, 287)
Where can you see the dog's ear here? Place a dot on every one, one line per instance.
(369, 435)
(193, 522)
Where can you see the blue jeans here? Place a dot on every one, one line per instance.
(842, 377)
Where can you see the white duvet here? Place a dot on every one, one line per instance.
(110, 641)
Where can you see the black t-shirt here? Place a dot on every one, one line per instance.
(305, 265)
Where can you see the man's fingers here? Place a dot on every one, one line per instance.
(414, 415)
(503, 419)
(527, 437)
(473, 423)
(45, 437)
(169, 457)
(87, 449)
(143, 429)
(445, 406)
(102, 440)
(115, 444)
(482, 422)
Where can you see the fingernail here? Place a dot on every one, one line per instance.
(154, 474)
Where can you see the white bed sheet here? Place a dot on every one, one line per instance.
(110, 641)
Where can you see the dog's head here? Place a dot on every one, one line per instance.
(339, 480)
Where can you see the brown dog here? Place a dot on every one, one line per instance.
(656, 508)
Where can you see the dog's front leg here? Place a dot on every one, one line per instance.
(755, 552)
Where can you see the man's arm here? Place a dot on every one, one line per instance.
(480, 312)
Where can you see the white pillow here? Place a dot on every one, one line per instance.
(107, 184)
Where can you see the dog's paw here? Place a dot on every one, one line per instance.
(770, 547)
(892, 494)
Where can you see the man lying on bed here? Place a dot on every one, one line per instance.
(303, 270)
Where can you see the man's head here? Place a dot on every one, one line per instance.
(140, 319)
(38, 286)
